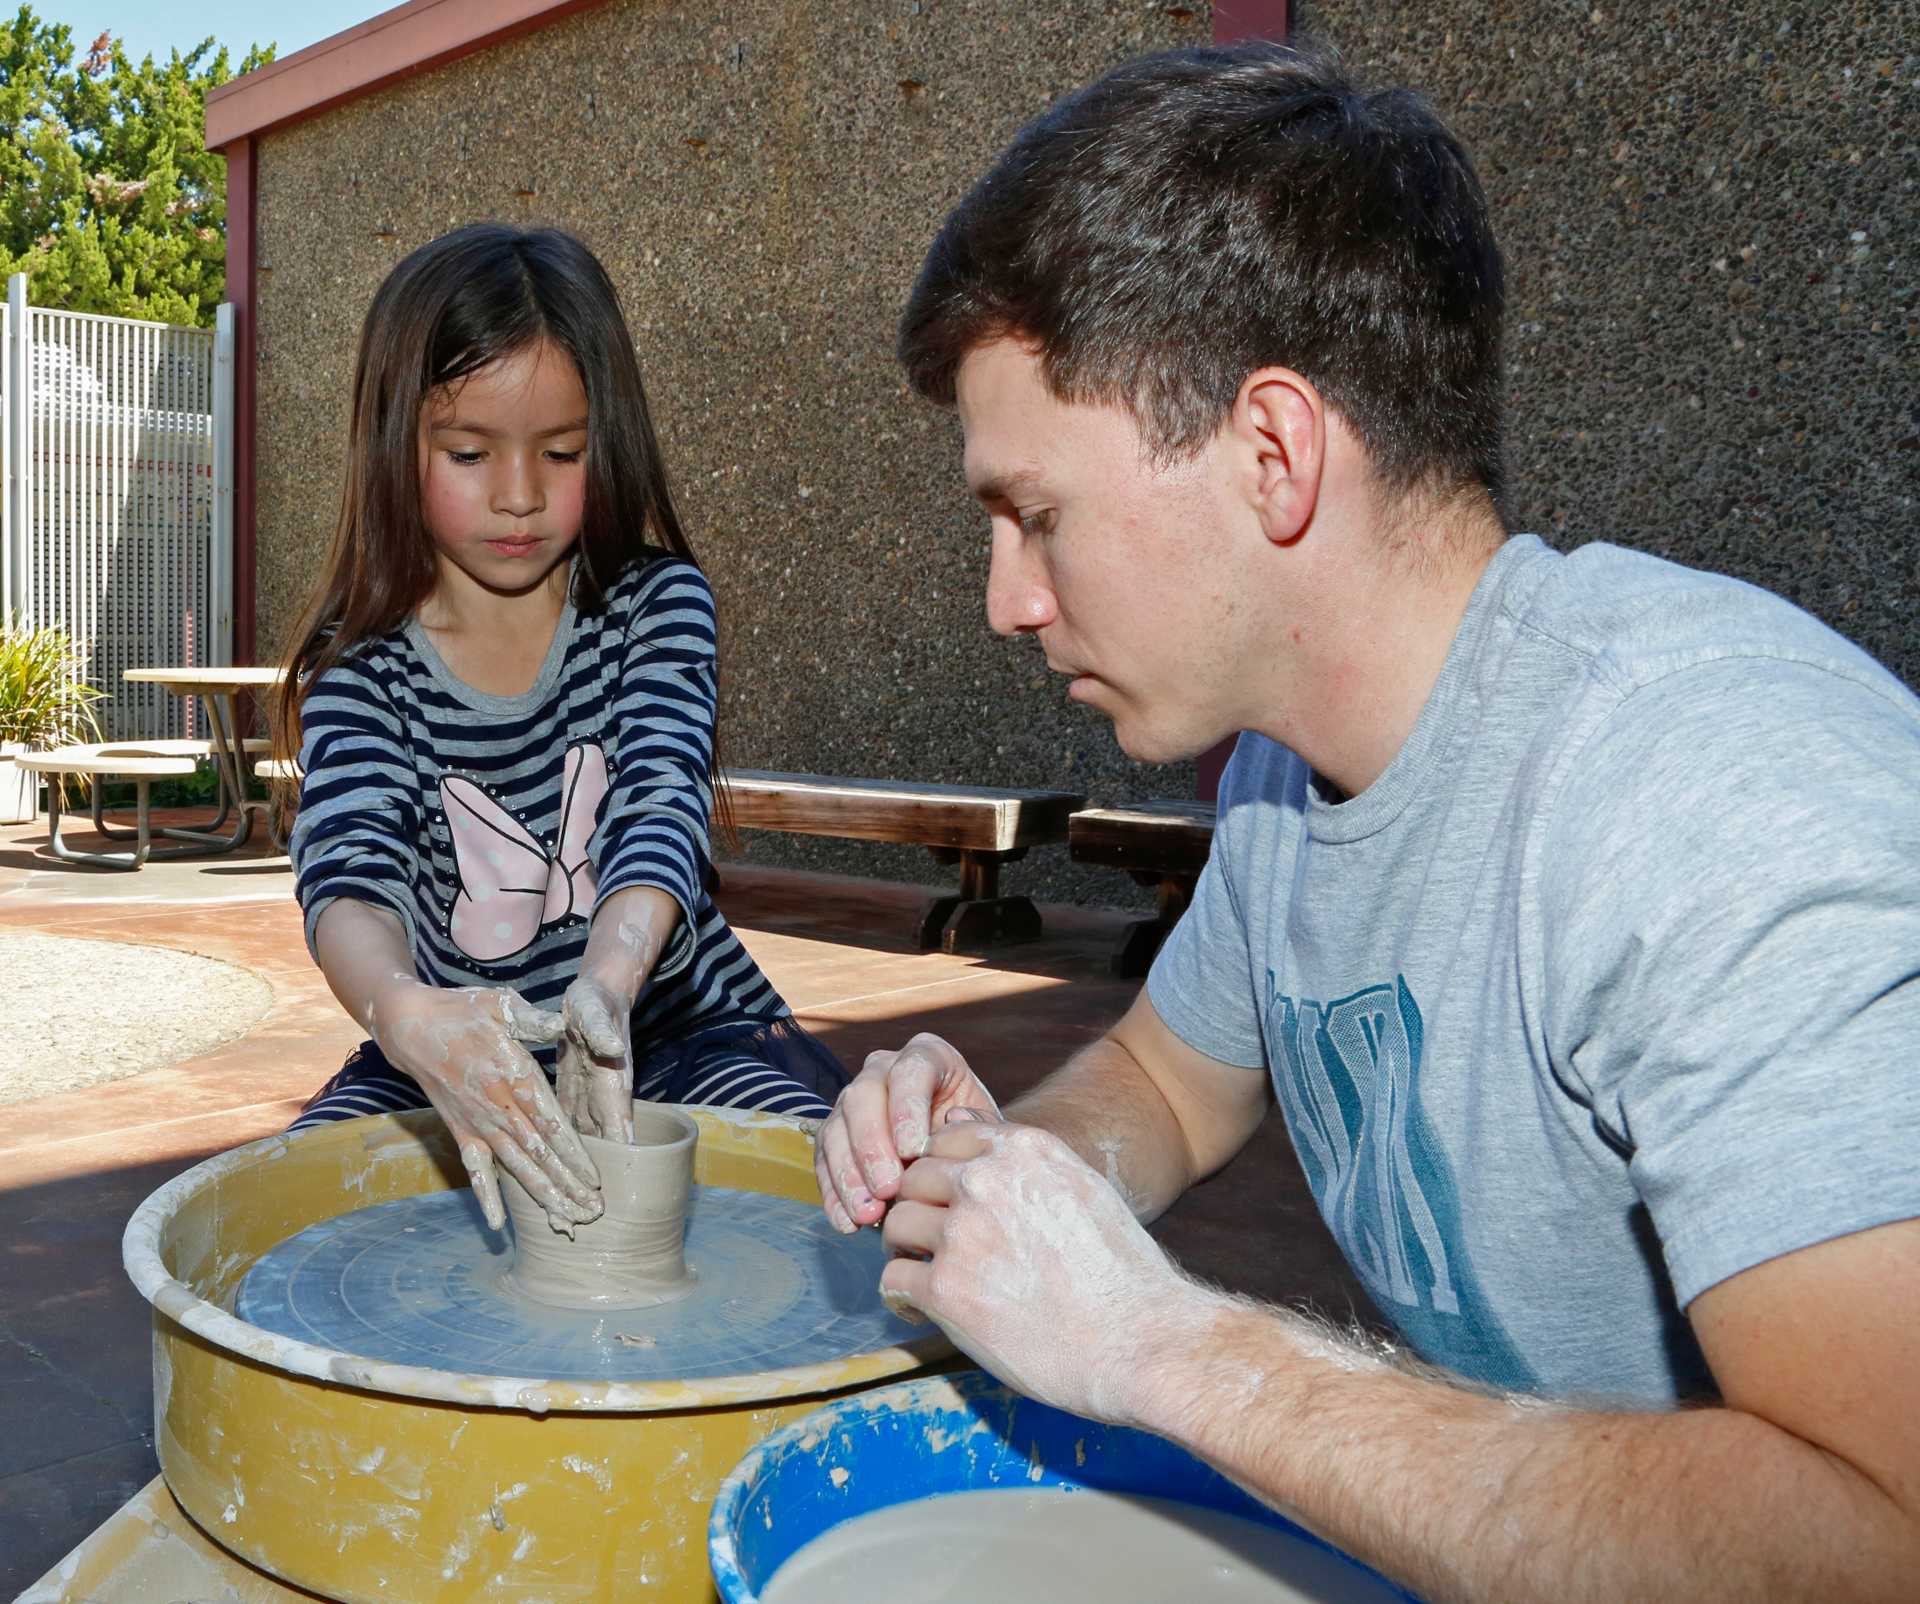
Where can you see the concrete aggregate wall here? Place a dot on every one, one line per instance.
(762, 178)
(1709, 220)
(1708, 216)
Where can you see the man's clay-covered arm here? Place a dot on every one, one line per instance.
(1804, 1486)
(1152, 1114)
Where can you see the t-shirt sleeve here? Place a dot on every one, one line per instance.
(1201, 983)
(653, 831)
(360, 804)
(1730, 905)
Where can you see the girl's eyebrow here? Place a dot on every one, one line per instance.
(460, 426)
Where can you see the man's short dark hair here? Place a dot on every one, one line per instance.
(1191, 217)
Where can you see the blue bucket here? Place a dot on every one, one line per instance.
(945, 1434)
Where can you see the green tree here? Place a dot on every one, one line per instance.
(109, 199)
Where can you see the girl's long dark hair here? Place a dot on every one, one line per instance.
(454, 306)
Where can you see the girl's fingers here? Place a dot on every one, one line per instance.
(534, 1101)
(570, 1088)
(478, 1159)
(610, 1101)
(592, 1023)
(526, 1023)
(544, 1137)
(539, 1185)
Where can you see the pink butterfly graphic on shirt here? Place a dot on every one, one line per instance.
(509, 885)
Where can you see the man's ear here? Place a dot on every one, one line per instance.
(1279, 423)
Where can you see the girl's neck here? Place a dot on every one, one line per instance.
(497, 642)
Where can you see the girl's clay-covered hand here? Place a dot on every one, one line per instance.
(883, 1119)
(464, 1045)
(595, 1072)
(466, 1048)
(1033, 1264)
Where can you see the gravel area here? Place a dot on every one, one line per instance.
(79, 1013)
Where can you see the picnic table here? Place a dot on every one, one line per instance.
(219, 689)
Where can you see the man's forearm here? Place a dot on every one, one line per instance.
(1500, 1500)
(1104, 1106)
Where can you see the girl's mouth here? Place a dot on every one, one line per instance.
(514, 546)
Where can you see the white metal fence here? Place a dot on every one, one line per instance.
(117, 518)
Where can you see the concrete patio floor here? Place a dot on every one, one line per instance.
(75, 1386)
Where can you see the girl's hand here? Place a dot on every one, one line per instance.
(595, 1079)
(466, 1049)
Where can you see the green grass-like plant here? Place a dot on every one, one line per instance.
(44, 700)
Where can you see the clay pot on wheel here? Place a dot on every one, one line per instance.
(634, 1255)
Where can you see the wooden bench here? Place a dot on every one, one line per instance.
(1161, 844)
(978, 827)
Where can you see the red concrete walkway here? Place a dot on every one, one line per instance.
(75, 1392)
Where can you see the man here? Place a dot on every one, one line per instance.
(1571, 905)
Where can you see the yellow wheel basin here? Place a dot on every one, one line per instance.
(369, 1482)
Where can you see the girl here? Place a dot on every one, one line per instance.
(503, 701)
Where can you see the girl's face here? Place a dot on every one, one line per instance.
(503, 469)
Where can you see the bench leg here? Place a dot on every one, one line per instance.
(1140, 942)
(143, 835)
(977, 918)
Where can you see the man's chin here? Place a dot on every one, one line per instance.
(1146, 744)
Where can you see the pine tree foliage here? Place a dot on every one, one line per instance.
(109, 199)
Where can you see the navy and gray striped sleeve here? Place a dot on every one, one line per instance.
(360, 803)
(654, 829)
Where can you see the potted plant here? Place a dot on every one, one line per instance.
(44, 703)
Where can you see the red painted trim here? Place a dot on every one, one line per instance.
(1234, 20)
(242, 284)
(387, 49)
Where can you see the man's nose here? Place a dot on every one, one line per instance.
(1020, 599)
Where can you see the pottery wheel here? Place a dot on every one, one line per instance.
(417, 1282)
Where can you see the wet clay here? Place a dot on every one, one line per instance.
(634, 1255)
(1053, 1545)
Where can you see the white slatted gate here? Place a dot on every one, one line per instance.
(117, 518)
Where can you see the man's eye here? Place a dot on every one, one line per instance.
(1038, 523)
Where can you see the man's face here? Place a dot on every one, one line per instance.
(1126, 571)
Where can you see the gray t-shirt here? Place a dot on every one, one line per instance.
(1606, 990)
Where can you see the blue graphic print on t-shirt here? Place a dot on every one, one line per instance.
(1348, 1077)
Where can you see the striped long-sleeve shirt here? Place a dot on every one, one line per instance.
(493, 825)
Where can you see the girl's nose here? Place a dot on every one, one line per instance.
(1020, 598)
(517, 492)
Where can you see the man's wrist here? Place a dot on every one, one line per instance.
(1217, 1357)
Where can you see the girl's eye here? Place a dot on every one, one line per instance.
(466, 459)
(565, 456)
(1039, 523)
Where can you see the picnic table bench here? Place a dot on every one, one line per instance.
(135, 761)
(1162, 844)
(976, 826)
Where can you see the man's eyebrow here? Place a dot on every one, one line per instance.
(1005, 486)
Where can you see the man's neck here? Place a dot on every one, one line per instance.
(1363, 681)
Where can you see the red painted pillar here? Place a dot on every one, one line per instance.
(1234, 20)
(242, 259)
